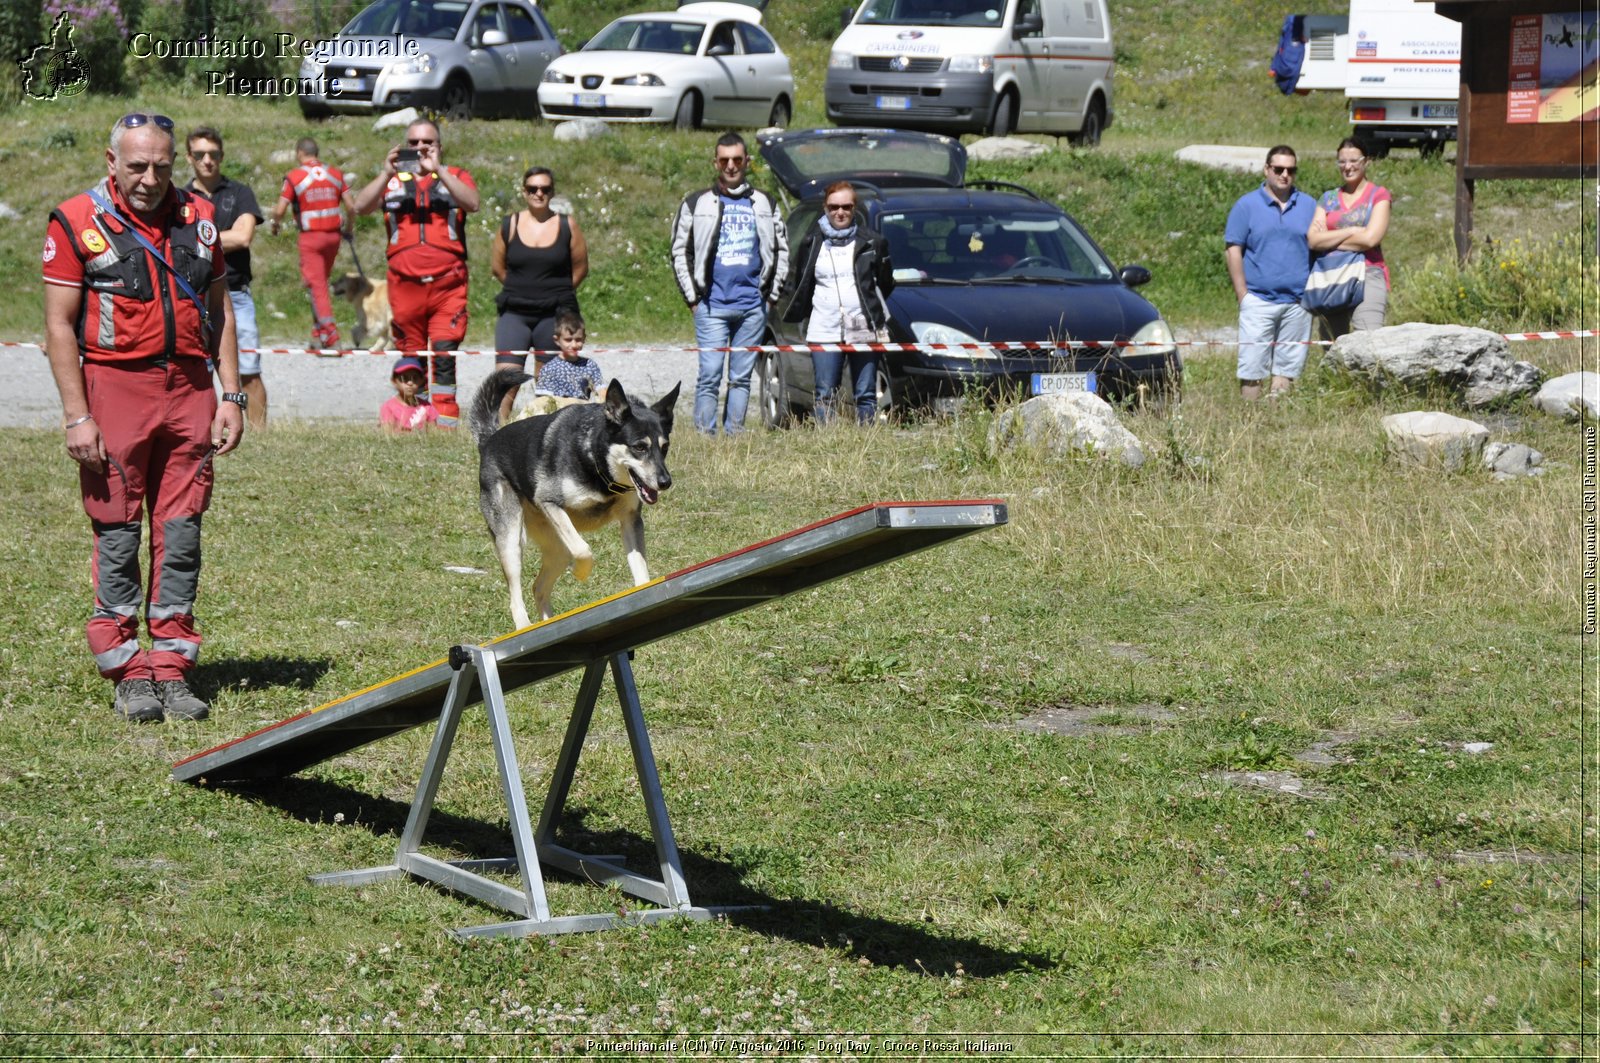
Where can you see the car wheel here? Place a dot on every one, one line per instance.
(1004, 118)
(688, 116)
(779, 118)
(891, 398)
(769, 391)
(456, 100)
(1431, 149)
(1094, 124)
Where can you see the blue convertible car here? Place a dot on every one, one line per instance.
(973, 262)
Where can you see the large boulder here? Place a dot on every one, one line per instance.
(1571, 396)
(999, 149)
(396, 119)
(582, 129)
(1072, 425)
(1474, 363)
(1434, 440)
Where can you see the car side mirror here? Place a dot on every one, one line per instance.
(492, 38)
(1133, 276)
(845, 16)
(1032, 22)
(720, 49)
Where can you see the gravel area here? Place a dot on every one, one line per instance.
(303, 387)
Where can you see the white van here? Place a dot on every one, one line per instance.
(975, 66)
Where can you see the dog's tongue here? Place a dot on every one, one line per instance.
(647, 495)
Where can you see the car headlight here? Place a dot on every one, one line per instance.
(645, 80)
(971, 64)
(1156, 334)
(841, 61)
(556, 77)
(417, 64)
(933, 332)
(310, 68)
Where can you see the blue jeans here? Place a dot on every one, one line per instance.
(244, 323)
(829, 369)
(725, 328)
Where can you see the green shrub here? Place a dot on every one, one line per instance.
(1507, 286)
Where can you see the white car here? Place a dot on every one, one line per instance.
(703, 64)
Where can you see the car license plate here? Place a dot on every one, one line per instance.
(1438, 110)
(893, 103)
(588, 99)
(338, 85)
(1061, 383)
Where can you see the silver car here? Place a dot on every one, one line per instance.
(462, 58)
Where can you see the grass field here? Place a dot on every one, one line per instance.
(853, 758)
(1266, 597)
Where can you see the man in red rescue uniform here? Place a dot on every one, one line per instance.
(135, 302)
(426, 214)
(323, 210)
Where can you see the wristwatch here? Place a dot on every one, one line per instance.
(238, 398)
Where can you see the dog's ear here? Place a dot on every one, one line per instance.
(618, 409)
(663, 406)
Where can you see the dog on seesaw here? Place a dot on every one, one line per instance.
(371, 300)
(551, 477)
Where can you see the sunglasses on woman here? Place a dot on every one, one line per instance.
(538, 190)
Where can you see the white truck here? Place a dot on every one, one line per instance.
(1399, 65)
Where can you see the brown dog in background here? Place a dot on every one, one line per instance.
(371, 300)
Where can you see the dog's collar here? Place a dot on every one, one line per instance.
(616, 488)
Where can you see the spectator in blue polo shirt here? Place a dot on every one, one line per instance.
(1268, 262)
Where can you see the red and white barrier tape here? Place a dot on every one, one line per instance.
(847, 348)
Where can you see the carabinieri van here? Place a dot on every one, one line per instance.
(975, 66)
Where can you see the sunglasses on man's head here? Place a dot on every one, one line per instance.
(1281, 170)
(135, 120)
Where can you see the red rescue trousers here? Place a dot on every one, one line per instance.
(430, 314)
(318, 250)
(155, 417)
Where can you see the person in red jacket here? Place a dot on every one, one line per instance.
(323, 211)
(426, 210)
(135, 309)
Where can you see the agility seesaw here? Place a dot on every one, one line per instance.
(596, 637)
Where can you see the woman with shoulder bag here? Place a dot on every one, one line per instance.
(1354, 217)
(843, 277)
(540, 259)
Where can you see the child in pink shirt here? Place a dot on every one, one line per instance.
(404, 413)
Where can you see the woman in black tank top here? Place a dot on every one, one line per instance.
(540, 259)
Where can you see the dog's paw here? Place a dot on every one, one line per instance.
(582, 566)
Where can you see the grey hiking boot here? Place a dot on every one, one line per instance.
(180, 700)
(137, 702)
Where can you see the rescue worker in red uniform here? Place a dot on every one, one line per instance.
(135, 303)
(324, 212)
(426, 214)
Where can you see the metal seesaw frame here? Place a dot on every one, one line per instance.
(599, 637)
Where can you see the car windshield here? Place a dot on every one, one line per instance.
(931, 13)
(439, 19)
(648, 35)
(976, 247)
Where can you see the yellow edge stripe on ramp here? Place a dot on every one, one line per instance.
(492, 642)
